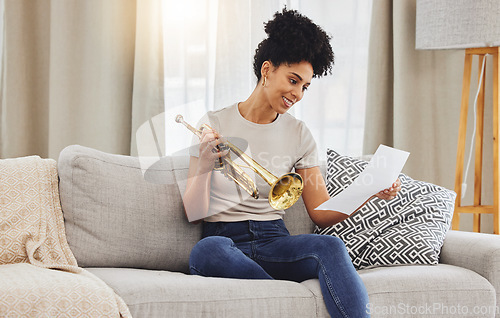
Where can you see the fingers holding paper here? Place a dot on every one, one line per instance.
(391, 192)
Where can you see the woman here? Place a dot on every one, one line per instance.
(244, 237)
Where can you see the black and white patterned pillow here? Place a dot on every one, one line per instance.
(409, 229)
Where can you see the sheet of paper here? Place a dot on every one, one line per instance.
(379, 174)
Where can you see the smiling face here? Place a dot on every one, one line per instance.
(285, 85)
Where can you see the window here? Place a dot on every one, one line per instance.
(209, 46)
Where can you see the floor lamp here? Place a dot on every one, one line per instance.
(473, 25)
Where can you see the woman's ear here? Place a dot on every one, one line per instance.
(265, 69)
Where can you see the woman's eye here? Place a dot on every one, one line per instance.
(293, 81)
(304, 88)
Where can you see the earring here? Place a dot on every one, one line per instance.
(264, 82)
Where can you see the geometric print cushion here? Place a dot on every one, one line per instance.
(409, 229)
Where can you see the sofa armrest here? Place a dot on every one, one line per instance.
(478, 252)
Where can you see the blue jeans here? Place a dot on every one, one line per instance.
(266, 250)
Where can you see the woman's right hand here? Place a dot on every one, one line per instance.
(208, 151)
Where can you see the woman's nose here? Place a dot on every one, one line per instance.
(297, 94)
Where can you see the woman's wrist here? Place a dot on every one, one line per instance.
(204, 167)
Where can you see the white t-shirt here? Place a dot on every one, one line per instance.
(281, 146)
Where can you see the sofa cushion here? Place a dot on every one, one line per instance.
(166, 294)
(398, 291)
(409, 229)
(114, 217)
(297, 220)
(423, 291)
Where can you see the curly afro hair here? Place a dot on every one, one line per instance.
(293, 38)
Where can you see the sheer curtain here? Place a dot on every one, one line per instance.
(209, 47)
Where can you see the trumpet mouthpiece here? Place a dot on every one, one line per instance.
(178, 118)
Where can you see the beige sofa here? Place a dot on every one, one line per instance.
(127, 226)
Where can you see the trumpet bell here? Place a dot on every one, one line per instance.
(286, 191)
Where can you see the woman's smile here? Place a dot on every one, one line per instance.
(288, 103)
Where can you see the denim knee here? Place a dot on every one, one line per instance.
(327, 247)
(207, 246)
(212, 242)
(328, 243)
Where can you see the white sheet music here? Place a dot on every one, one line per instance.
(379, 174)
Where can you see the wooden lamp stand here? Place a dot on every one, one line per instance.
(478, 208)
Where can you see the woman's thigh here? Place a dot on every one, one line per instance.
(301, 257)
(218, 256)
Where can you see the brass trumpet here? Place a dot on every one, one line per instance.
(285, 190)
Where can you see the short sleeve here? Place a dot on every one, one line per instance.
(308, 151)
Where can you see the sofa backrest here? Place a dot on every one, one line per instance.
(119, 215)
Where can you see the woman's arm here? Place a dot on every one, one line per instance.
(315, 193)
(196, 197)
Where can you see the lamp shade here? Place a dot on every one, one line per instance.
(457, 24)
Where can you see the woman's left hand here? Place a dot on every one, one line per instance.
(390, 193)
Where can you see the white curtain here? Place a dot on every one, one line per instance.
(209, 47)
(93, 72)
